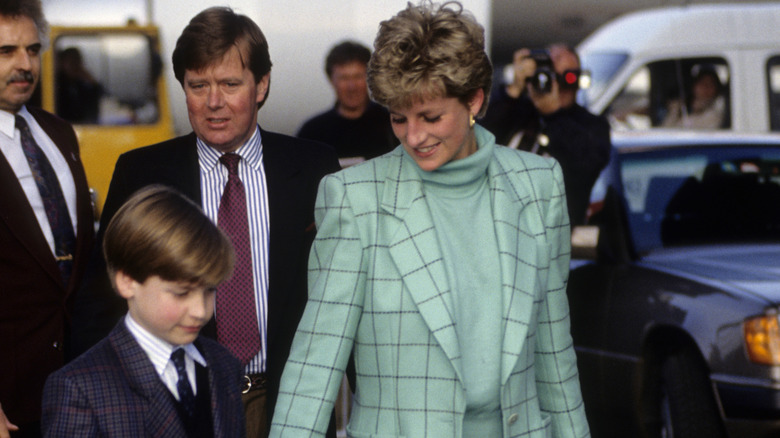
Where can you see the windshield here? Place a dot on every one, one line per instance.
(702, 195)
(602, 67)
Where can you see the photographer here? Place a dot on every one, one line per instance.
(538, 112)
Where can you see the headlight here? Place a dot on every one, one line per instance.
(762, 339)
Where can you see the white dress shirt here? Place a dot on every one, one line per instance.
(159, 353)
(11, 148)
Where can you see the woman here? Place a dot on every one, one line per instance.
(443, 263)
(705, 107)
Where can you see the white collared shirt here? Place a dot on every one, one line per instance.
(213, 178)
(11, 148)
(159, 353)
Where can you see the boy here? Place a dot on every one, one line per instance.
(154, 375)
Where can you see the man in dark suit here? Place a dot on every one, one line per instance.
(46, 224)
(222, 61)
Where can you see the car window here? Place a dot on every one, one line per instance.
(701, 195)
(773, 77)
(106, 79)
(687, 93)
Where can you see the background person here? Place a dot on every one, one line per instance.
(78, 93)
(705, 106)
(442, 264)
(46, 224)
(222, 61)
(166, 258)
(355, 126)
(552, 123)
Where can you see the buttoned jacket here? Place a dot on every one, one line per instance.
(378, 283)
(114, 391)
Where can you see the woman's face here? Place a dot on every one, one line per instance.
(436, 131)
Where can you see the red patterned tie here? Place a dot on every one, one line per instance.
(236, 316)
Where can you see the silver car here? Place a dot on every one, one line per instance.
(675, 288)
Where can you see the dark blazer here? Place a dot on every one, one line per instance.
(293, 169)
(34, 303)
(114, 391)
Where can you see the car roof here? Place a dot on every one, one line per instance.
(635, 141)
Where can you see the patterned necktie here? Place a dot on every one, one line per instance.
(186, 395)
(53, 200)
(237, 326)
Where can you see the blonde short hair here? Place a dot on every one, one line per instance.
(159, 232)
(429, 51)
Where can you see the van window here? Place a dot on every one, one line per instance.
(687, 93)
(773, 76)
(106, 79)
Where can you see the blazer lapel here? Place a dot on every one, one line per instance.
(511, 200)
(416, 251)
(17, 214)
(160, 418)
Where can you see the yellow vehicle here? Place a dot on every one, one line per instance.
(108, 82)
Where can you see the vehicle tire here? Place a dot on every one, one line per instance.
(687, 407)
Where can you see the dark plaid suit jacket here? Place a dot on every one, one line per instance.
(113, 390)
(34, 304)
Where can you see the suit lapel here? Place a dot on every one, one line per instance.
(217, 383)
(416, 251)
(516, 223)
(160, 416)
(280, 173)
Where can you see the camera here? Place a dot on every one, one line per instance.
(544, 75)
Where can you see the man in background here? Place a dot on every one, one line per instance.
(552, 123)
(355, 126)
(46, 224)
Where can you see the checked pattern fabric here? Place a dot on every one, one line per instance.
(53, 200)
(186, 395)
(237, 327)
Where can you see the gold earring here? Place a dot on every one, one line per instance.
(471, 120)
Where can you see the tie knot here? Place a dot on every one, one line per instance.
(231, 162)
(178, 358)
(20, 122)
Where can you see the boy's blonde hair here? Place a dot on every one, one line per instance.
(159, 232)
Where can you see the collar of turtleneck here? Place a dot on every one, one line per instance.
(465, 171)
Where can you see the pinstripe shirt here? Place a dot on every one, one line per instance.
(213, 178)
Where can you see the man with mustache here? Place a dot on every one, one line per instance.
(46, 224)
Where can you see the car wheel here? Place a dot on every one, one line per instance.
(687, 407)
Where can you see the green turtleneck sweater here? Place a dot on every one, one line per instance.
(458, 197)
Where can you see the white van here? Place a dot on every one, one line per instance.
(642, 63)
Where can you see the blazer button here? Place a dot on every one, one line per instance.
(512, 419)
(56, 345)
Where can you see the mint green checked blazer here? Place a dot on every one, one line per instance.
(377, 283)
